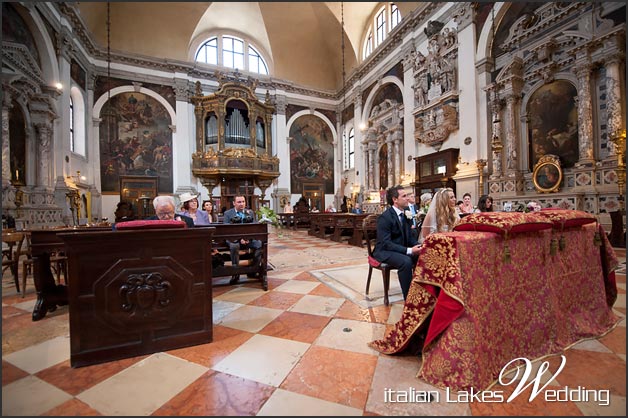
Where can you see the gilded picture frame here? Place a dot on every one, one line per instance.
(548, 174)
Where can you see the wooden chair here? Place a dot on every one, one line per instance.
(369, 230)
(11, 258)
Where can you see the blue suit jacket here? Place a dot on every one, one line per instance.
(390, 236)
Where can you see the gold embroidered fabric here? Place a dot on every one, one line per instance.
(487, 312)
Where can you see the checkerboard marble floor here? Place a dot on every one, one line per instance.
(298, 349)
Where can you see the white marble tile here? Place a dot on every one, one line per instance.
(592, 345)
(350, 335)
(143, 387)
(317, 305)
(297, 286)
(263, 359)
(616, 407)
(31, 396)
(395, 377)
(286, 403)
(621, 301)
(222, 308)
(41, 356)
(396, 309)
(27, 306)
(250, 318)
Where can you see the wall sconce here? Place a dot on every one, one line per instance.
(78, 178)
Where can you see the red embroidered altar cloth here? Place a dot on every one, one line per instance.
(487, 311)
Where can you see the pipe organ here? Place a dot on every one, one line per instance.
(233, 137)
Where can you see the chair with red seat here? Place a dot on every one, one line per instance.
(369, 229)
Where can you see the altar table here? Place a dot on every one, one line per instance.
(485, 310)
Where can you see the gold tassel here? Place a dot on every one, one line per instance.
(506, 253)
(597, 239)
(561, 243)
(553, 246)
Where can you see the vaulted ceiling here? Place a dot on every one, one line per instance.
(301, 41)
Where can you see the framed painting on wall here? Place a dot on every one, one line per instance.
(547, 174)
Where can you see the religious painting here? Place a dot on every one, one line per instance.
(135, 139)
(547, 174)
(311, 153)
(553, 123)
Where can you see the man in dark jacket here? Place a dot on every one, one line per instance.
(395, 243)
(164, 210)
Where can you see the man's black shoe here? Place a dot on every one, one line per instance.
(234, 279)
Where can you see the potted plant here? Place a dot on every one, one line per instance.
(266, 215)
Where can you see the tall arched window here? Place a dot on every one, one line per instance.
(349, 149)
(77, 122)
(383, 21)
(231, 52)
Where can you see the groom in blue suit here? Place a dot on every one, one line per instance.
(395, 243)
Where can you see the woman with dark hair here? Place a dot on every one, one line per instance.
(190, 208)
(209, 210)
(485, 204)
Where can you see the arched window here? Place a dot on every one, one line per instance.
(77, 122)
(231, 52)
(384, 20)
(349, 149)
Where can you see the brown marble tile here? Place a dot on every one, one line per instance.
(274, 283)
(622, 310)
(615, 340)
(72, 408)
(276, 300)
(296, 326)
(76, 380)
(21, 332)
(14, 318)
(11, 373)
(593, 370)
(333, 375)
(220, 394)
(11, 312)
(521, 405)
(17, 298)
(219, 290)
(305, 276)
(324, 290)
(225, 340)
(350, 310)
(380, 313)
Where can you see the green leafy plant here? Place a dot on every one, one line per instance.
(266, 215)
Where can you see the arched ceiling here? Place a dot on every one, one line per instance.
(302, 39)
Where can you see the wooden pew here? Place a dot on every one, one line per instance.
(137, 292)
(233, 232)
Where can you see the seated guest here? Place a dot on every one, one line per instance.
(485, 204)
(466, 206)
(190, 208)
(357, 209)
(209, 209)
(124, 212)
(395, 244)
(441, 216)
(164, 210)
(426, 198)
(315, 210)
(330, 208)
(302, 206)
(240, 214)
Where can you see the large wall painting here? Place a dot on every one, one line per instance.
(135, 139)
(553, 123)
(311, 153)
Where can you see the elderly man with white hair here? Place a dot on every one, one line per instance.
(165, 211)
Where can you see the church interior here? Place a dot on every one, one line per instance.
(331, 102)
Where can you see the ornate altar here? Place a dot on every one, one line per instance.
(233, 136)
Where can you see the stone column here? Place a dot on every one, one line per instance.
(6, 155)
(496, 145)
(614, 111)
(511, 135)
(372, 148)
(585, 116)
(397, 138)
(391, 152)
(44, 133)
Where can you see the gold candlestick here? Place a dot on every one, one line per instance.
(619, 140)
(481, 163)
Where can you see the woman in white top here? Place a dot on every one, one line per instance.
(441, 216)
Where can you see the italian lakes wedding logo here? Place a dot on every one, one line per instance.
(507, 378)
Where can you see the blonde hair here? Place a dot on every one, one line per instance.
(445, 215)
